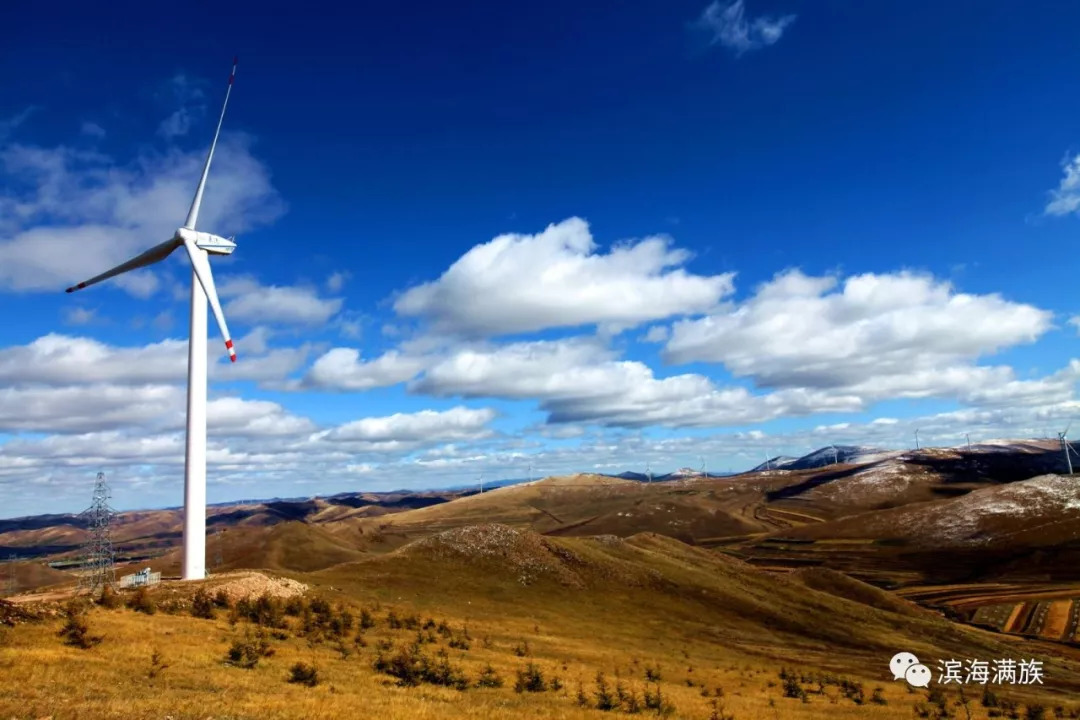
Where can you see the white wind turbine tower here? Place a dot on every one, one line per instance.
(916, 438)
(835, 455)
(704, 474)
(481, 483)
(199, 245)
(648, 473)
(1063, 439)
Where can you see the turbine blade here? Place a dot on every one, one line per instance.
(1067, 429)
(151, 256)
(201, 264)
(193, 213)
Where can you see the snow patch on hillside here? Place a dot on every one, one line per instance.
(875, 484)
(981, 515)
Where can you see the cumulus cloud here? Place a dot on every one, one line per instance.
(656, 334)
(342, 369)
(581, 381)
(876, 335)
(336, 281)
(387, 458)
(727, 25)
(92, 129)
(69, 214)
(79, 316)
(403, 431)
(248, 300)
(85, 408)
(59, 360)
(233, 416)
(556, 278)
(1066, 198)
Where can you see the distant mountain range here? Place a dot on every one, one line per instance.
(828, 455)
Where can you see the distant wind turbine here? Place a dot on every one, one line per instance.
(916, 438)
(648, 472)
(703, 472)
(968, 436)
(835, 455)
(481, 483)
(766, 460)
(199, 245)
(1063, 439)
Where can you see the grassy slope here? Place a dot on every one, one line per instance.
(584, 604)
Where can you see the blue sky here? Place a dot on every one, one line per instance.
(473, 236)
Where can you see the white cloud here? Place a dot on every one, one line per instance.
(248, 300)
(62, 360)
(162, 321)
(58, 360)
(728, 26)
(92, 129)
(99, 407)
(385, 458)
(1066, 198)
(233, 416)
(656, 334)
(8, 125)
(342, 369)
(84, 408)
(521, 283)
(888, 335)
(580, 381)
(177, 124)
(188, 94)
(403, 431)
(336, 281)
(79, 315)
(70, 214)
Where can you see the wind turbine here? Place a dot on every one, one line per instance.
(968, 436)
(916, 438)
(704, 474)
(1062, 438)
(481, 483)
(199, 245)
(648, 472)
(766, 460)
(835, 455)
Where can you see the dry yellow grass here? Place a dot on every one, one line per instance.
(42, 678)
(649, 601)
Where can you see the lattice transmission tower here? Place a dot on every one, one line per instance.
(99, 563)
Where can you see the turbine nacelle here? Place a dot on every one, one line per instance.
(213, 244)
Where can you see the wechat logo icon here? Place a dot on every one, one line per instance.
(905, 666)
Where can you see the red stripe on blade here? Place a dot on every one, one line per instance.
(228, 344)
